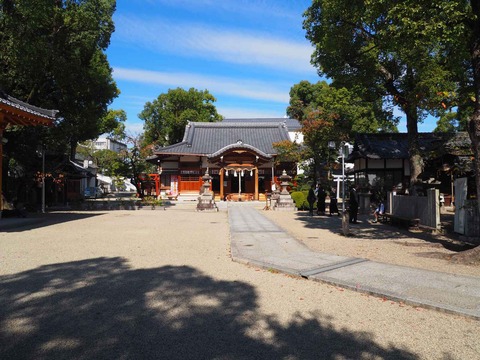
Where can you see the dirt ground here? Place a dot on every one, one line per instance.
(162, 285)
(377, 242)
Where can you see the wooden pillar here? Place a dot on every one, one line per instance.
(2, 127)
(256, 183)
(221, 184)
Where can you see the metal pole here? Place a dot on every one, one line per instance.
(43, 180)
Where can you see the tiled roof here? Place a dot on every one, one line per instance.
(207, 138)
(239, 146)
(292, 124)
(23, 106)
(395, 145)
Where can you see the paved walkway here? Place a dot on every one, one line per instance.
(257, 240)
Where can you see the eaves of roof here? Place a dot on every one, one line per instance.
(239, 146)
(21, 113)
(395, 145)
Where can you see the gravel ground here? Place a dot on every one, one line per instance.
(374, 241)
(161, 285)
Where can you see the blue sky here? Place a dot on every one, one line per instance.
(246, 53)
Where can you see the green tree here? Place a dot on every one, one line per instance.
(368, 44)
(166, 117)
(453, 26)
(449, 123)
(113, 124)
(328, 113)
(136, 155)
(110, 163)
(128, 163)
(53, 57)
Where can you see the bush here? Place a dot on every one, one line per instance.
(300, 198)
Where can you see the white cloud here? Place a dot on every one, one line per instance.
(250, 89)
(284, 10)
(194, 40)
(241, 113)
(134, 128)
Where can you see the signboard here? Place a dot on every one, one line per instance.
(189, 172)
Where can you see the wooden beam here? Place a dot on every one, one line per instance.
(221, 183)
(24, 118)
(256, 184)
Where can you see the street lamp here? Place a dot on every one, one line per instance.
(41, 153)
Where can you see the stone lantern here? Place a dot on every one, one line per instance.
(285, 181)
(206, 200)
(284, 201)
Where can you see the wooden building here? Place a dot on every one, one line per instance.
(14, 112)
(238, 154)
(385, 157)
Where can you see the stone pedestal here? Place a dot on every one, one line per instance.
(364, 207)
(284, 201)
(206, 200)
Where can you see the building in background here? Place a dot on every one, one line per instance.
(106, 143)
(237, 153)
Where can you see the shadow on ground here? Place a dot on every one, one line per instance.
(103, 309)
(367, 230)
(35, 221)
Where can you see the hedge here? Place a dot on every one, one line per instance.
(300, 198)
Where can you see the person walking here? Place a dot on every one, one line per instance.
(353, 205)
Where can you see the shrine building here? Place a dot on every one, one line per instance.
(237, 153)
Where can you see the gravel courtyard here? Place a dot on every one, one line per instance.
(161, 285)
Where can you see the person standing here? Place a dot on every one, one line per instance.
(311, 199)
(321, 197)
(333, 208)
(353, 204)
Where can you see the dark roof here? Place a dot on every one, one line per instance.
(292, 124)
(23, 106)
(395, 145)
(202, 138)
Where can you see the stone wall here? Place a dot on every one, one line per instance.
(425, 208)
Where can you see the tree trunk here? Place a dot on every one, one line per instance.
(474, 125)
(415, 156)
(73, 149)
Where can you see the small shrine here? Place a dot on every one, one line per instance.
(206, 200)
(284, 201)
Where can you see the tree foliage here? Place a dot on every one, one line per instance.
(328, 113)
(166, 117)
(384, 47)
(52, 56)
(125, 164)
(113, 124)
(136, 155)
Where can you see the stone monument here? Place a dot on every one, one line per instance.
(206, 200)
(284, 201)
